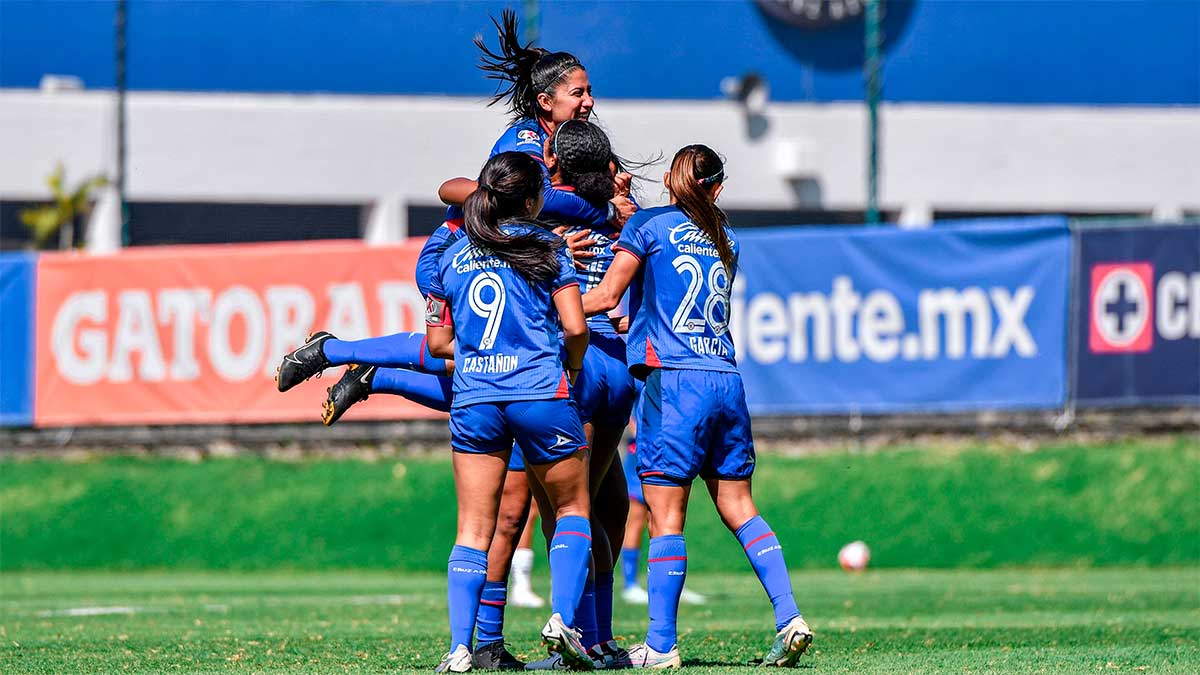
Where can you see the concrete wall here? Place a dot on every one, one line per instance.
(359, 149)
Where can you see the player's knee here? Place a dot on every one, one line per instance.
(736, 511)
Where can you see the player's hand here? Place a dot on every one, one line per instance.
(620, 324)
(625, 208)
(622, 183)
(579, 243)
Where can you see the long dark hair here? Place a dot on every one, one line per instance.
(694, 171)
(523, 71)
(506, 184)
(584, 156)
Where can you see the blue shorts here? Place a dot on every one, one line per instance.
(693, 423)
(604, 389)
(546, 430)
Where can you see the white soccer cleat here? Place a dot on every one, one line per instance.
(457, 661)
(523, 596)
(691, 597)
(561, 639)
(642, 655)
(790, 642)
(553, 662)
(635, 595)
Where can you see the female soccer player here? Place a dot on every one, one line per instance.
(581, 161)
(579, 158)
(694, 420)
(496, 306)
(541, 90)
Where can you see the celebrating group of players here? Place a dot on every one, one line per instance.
(539, 381)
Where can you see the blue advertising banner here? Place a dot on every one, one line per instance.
(878, 320)
(17, 271)
(1137, 303)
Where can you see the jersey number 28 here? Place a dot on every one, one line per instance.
(717, 296)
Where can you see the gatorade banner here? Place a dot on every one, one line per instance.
(1137, 301)
(170, 335)
(881, 320)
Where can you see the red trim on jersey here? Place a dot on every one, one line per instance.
(652, 473)
(454, 224)
(758, 539)
(424, 344)
(542, 123)
(493, 603)
(577, 534)
(564, 287)
(564, 388)
(565, 188)
(618, 247)
(652, 356)
(666, 558)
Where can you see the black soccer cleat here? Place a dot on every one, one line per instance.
(354, 386)
(308, 360)
(495, 656)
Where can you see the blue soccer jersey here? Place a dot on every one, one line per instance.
(605, 236)
(430, 257)
(529, 136)
(679, 300)
(506, 330)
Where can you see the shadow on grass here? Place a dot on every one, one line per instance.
(754, 663)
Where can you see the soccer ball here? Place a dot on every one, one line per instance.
(854, 556)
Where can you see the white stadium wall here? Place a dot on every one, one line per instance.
(363, 149)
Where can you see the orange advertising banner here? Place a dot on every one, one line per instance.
(192, 334)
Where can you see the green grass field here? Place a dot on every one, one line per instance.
(1128, 503)
(1064, 558)
(893, 621)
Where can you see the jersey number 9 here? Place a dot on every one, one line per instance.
(492, 310)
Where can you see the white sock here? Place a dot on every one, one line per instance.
(522, 568)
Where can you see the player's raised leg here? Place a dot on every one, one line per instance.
(359, 382)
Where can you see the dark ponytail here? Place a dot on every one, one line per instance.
(694, 172)
(507, 183)
(523, 71)
(584, 155)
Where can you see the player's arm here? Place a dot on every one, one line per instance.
(574, 325)
(607, 294)
(439, 328)
(455, 191)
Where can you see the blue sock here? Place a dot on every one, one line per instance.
(766, 557)
(604, 606)
(465, 574)
(430, 391)
(398, 350)
(664, 582)
(585, 615)
(489, 622)
(570, 553)
(630, 558)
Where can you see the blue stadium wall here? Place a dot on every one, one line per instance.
(1075, 52)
